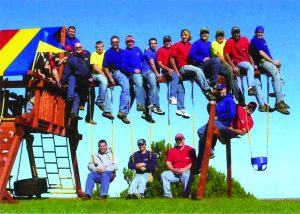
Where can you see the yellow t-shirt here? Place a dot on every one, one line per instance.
(97, 59)
(217, 48)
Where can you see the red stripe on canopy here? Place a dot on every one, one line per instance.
(5, 36)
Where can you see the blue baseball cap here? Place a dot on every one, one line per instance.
(259, 29)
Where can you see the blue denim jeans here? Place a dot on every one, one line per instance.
(257, 86)
(104, 93)
(123, 81)
(199, 76)
(101, 178)
(150, 78)
(168, 177)
(274, 72)
(211, 69)
(224, 131)
(137, 81)
(138, 184)
(246, 66)
(72, 93)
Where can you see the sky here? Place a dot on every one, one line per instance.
(143, 19)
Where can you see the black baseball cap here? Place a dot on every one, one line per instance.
(235, 29)
(141, 142)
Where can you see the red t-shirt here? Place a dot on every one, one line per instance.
(180, 52)
(240, 121)
(237, 50)
(163, 54)
(181, 158)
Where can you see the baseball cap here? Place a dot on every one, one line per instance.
(141, 142)
(167, 38)
(204, 30)
(259, 29)
(235, 29)
(129, 38)
(220, 33)
(179, 136)
(221, 87)
(252, 105)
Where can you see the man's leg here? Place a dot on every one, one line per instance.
(168, 177)
(134, 184)
(90, 105)
(211, 68)
(202, 137)
(125, 94)
(180, 95)
(153, 92)
(250, 72)
(92, 178)
(103, 83)
(139, 90)
(186, 181)
(105, 180)
(71, 87)
(143, 182)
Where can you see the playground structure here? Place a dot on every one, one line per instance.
(49, 118)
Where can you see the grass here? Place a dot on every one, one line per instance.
(221, 205)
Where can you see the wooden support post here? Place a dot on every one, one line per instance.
(73, 141)
(205, 160)
(228, 160)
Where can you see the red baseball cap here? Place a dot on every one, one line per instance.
(179, 136)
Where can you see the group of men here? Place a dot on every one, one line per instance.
(138, 73)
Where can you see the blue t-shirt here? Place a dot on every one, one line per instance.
(132, 59)
(71, 41)
(113, 59)
(200, 50)
(257, 45)
(148, 54)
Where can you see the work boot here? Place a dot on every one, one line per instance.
(157, 110)
(122, 116)
(103, 197)
(108, 115)
(86, 197)
(210, 96)
(90, 121)
(100, 105)
(282, 108)
(74, 116)
(140, 107)
(81, 108)
(148, 118)
(265, 108)
(252, 91)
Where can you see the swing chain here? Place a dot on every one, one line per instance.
(19, 164)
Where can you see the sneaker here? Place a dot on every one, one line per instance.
(183, 113)
(148, 118)
(252, 91)
(151, 106)
(210, 96)
(103, 197)
(100, 105)
(122, 116)
(286, 105)
(108, 115)
(157, 110)
(81, 108)
(265, 108)
(140, 107)
(90, 121)
(173, 100)
(86, 197)
(282, 108)
(212, 154)
(129, 196)
(139, 196)
(74, 116)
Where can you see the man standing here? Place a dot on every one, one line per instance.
(144, 163)
(225, 113)
(112, 68)
(176, 94)
(217, 51)
(262, 57)
(71, 40)
(102, 170)
(77, 74)
(179, 162)
(179, 61)
(151, 75)
(200, 56)
(103, 100)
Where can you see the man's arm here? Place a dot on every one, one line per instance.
(109, 76)
(267, 58)
(153, 67)
(173, 64)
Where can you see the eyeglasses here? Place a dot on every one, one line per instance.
(78, 47)
(179, 139)
(141, 144)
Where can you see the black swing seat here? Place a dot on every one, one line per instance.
(259, 163)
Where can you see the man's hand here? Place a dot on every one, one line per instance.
(112, 82)
(143, 168)
(140, 165)
(236, 70)
(255, 67)
(170, 71)
(277, 63)
(206, 58)
(137, 71)
(159, 76)
(101, 169)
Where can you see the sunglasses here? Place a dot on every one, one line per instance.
(79, 47)
(141, 144)
(115, 42)
(179, 139)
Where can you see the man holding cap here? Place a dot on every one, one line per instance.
(216, 50)
(225, 113)
(143, 162)
(201, 57)
(262, 57)
(236, 52)
(179, 162)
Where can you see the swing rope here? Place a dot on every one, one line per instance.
(3, 104)
(112, 128)
(193, 114)
(91, 128)
(268, 116)
(19, 164)
(169, 120)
